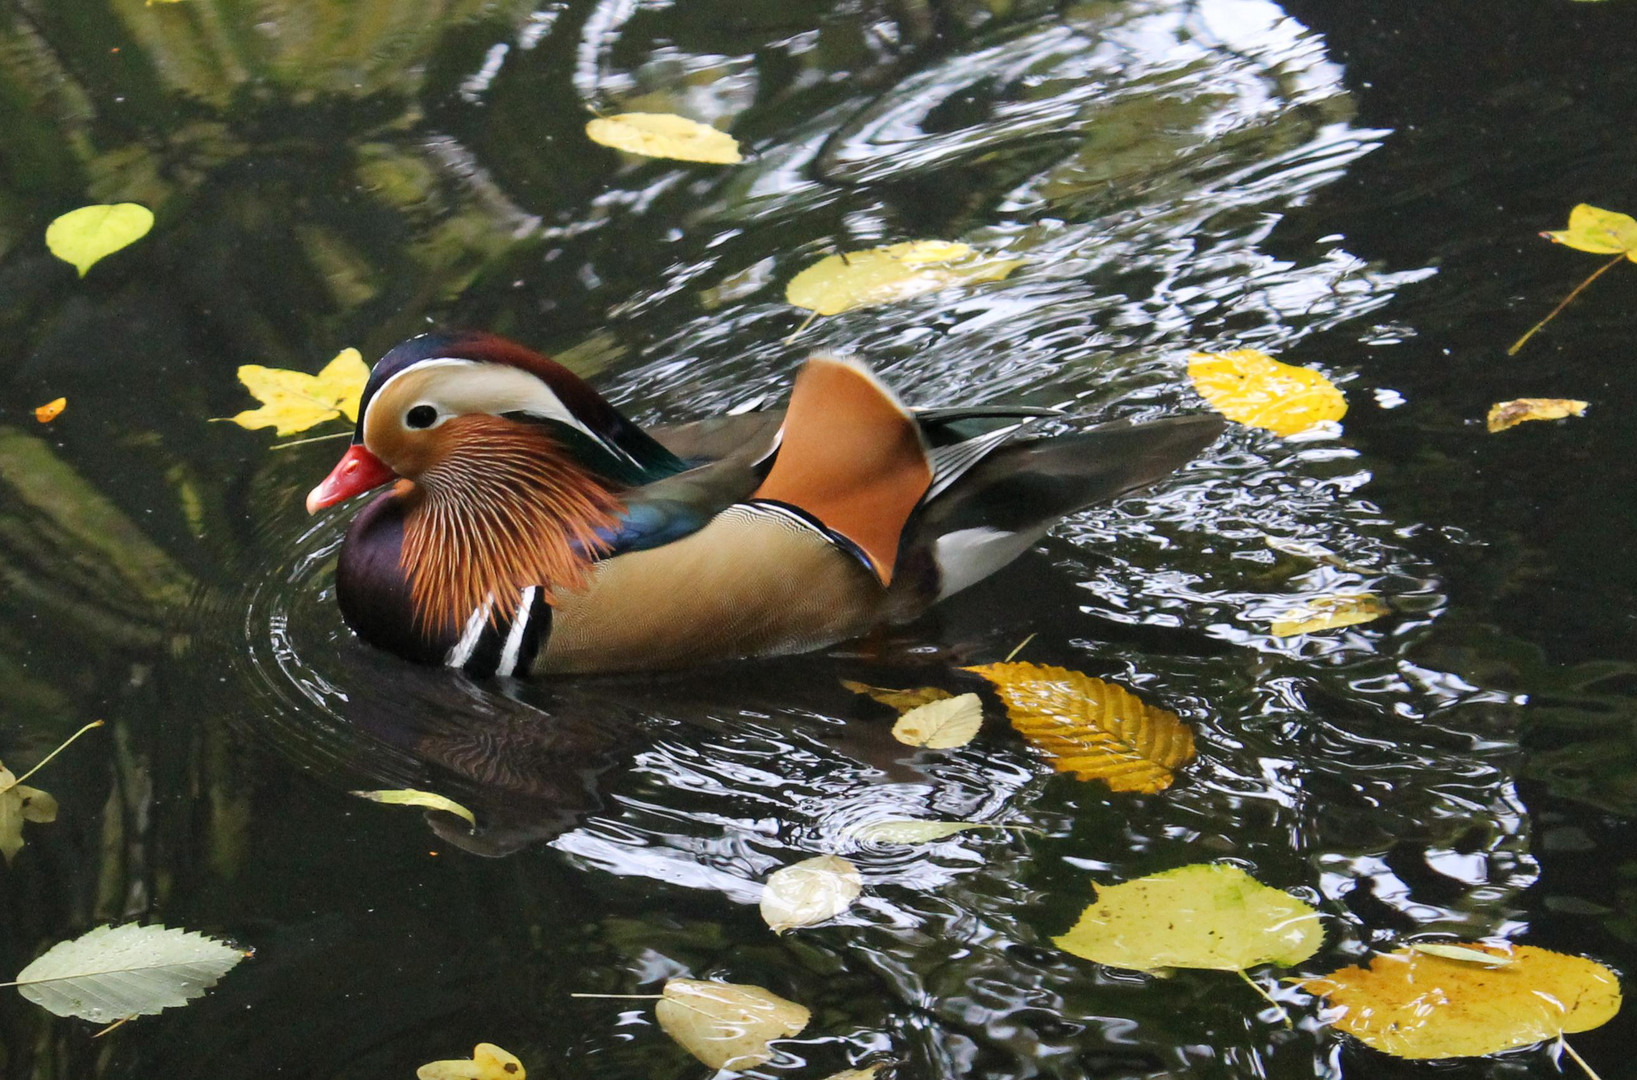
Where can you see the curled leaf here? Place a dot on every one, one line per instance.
(885, 275)
(488, 1062)
(1091, 728)
(1329, 612)
(809, 892)
(51, 410)
(1416, 1004)
(902, 700)
(20, 803)
(941, 724)
(1253, 388)
(85, 236)
(294, 401)
(663, 135)
(429, 800)
(727, 1025)
(118, 971)
(1601, 232)
(1507, 414)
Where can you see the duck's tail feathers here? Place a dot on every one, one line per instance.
(1004, 501)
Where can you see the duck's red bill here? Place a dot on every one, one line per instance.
(357, 472)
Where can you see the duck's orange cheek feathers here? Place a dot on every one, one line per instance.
(357, 472)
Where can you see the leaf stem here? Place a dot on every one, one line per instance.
(804, 325)
(117, 1023)
(315, 438)
(624, 997)
(1254, 985)
(1578, 1060)
(54, 753)
(1019, 649)
(1578, 289)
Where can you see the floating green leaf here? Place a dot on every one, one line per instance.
(428, 800)
(85, 236)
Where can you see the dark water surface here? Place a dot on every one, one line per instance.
(1351, 186)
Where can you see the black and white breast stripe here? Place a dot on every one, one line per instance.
(502, 646)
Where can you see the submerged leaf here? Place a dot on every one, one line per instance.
(1507, 414)
(727, 1025)
(294, 401)
(885, 275)
(1413, 1004)
(118, 971)
(902, 700)
(429, 800)
(85, 236)
(488, 1062)
(941, 724)
(1253, 388)
(663, 135)
(51, 410)
(1329, 612)
(20, 803)
(1093, 729)
(1208, 915)
(810, 892)
(1601, 232)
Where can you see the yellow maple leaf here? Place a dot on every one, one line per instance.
(663, 135)
(1601, 232)
(488, 1062)
(1329, 612)
(1505, 414)
(885, 275)
(1093, 729)
(294, 401)
(1253, 388)
(1415, 1004)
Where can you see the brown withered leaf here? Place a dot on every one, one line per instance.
(1505, 414)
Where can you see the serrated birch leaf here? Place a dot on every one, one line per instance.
(1253, 388)
(662, 135)
(942, 724)
(1505, 414)
(911, 831)
(488, 1062)
(1093, 729)
(885, 275)
(1601, 232)
(1208, 915)
(117, 971)
(727, 1025)
(294, 401)
(20, 803)
(809, 892)
(1329, 612)
(1413, 1004)
(85, 236)
(428, 800)
(902, 700)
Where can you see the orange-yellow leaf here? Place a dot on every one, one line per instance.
(1093, 729)
(294, 401)
(1329, 612)
(902, 700)
(1413, 1004)
(488, 1062)
(1601, 232)
(51, 410)
(1253, 388)
(1507, 414)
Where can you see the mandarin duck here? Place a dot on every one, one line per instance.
(531, 528)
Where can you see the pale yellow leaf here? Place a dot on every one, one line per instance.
(1505, 414)
(1201, 916)
(294, 401)
(1329, 612)
(1601, 232)
(426, 799)
(112, 972)
(1464, 953)
(1413, 1004)
(910, 831)
(727, 1025)
(885, 275)
(941, 724)
(866, 1073)
(902, 700)
(488, 1062)
(809, 892)
(663, 135)
(83, 237)
(1091, 728)
(1253, 388)
(20, 803)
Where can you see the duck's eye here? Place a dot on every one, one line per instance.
(421, 416)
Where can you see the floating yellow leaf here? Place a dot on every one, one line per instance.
(1093, 729)
(1601, 232)
(941, 724)
(1512, 413)
(20, 803)
(83, 237)
(1465, 953)
(1329, 612)
(885, 275)
(51, 410)
(727, 1025)
(294, 401)
(429, 800)
(809, 892)
(902, 700)
(1209, 915)
(1415, 1005)
(662, 135)
(1253, 388)
(911, 831)
(866, 1073)
(488, 1062)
